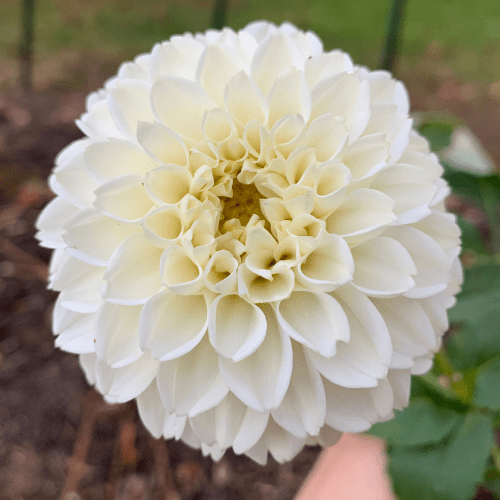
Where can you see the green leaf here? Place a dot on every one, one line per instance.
(471, 238)
(448, 471)
(487, 388)
(473, 345)
(438, 134)
(421, 423)
(480, 294)
(494, 487)
(468, 185)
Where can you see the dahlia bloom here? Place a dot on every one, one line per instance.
(251, 241)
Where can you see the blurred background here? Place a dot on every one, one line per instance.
(54, 436)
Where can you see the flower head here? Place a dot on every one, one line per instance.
(252, 241)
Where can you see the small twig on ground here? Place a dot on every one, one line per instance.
(163, 471)
(92, 403)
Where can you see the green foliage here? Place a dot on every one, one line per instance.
(487, 388)
(428, 424)
(480, 294)
(449, 470)
(442, 446)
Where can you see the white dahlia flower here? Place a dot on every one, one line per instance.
(252, 241)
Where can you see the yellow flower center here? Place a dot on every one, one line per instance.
(243, 204)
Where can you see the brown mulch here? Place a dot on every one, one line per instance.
(57, 437)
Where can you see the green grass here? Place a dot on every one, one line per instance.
(468, 33)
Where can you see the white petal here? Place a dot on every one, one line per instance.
(348, 410)
(184, 381)
(221, 272)
(303, 309)
(244, 100)
(53, 217)
(261, 380)
(97, 123)
(369, 318)
(303, 408)
(78, 336)
(215, 68)
(151, 410)
(174, 426)
(133, 274)
(431, 261)
(87, 362)
(346, 96)
(168, 184)
(328, 266)
(179, 273)
(123, 384)
(128, 104)
(400, 381)
(72, 181)
(236, 327)
(177, 57)
(117, 334)
(93, 237)
(362, 213)
(161, 143)
(326, 65)
(250, 430)
(180, 105)
(116, 157)
(217, 392)
(382, 267)
(289, 96)
(171, 325)
(366, 156)
(123, 198)
(327, 134)
(276, 53)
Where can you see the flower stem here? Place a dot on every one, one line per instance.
(490, 201)
(495, 453)
(26, 44)
(219, 14)
(393, 33)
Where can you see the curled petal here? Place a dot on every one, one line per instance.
(128, 104)
(303, 408)
(303, 309)
(328, 266)
(168, 184)
(93, 237)
(116, 157)
(180, 105)
(327, 134)
(172, 325)
(162, 144)
(133, 272)
(117, 334)
(123, 384)
(383, 267)
(236, 327)
(221, 272)
(361, 215)
(289, 95)
(184, 381)
(261, 380)
(179, 273)
(123, 198)
(164, 226)
(276, 53)
(244, 100)
(260, 289)
(151, 410)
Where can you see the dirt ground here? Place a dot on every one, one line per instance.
(56, 434)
